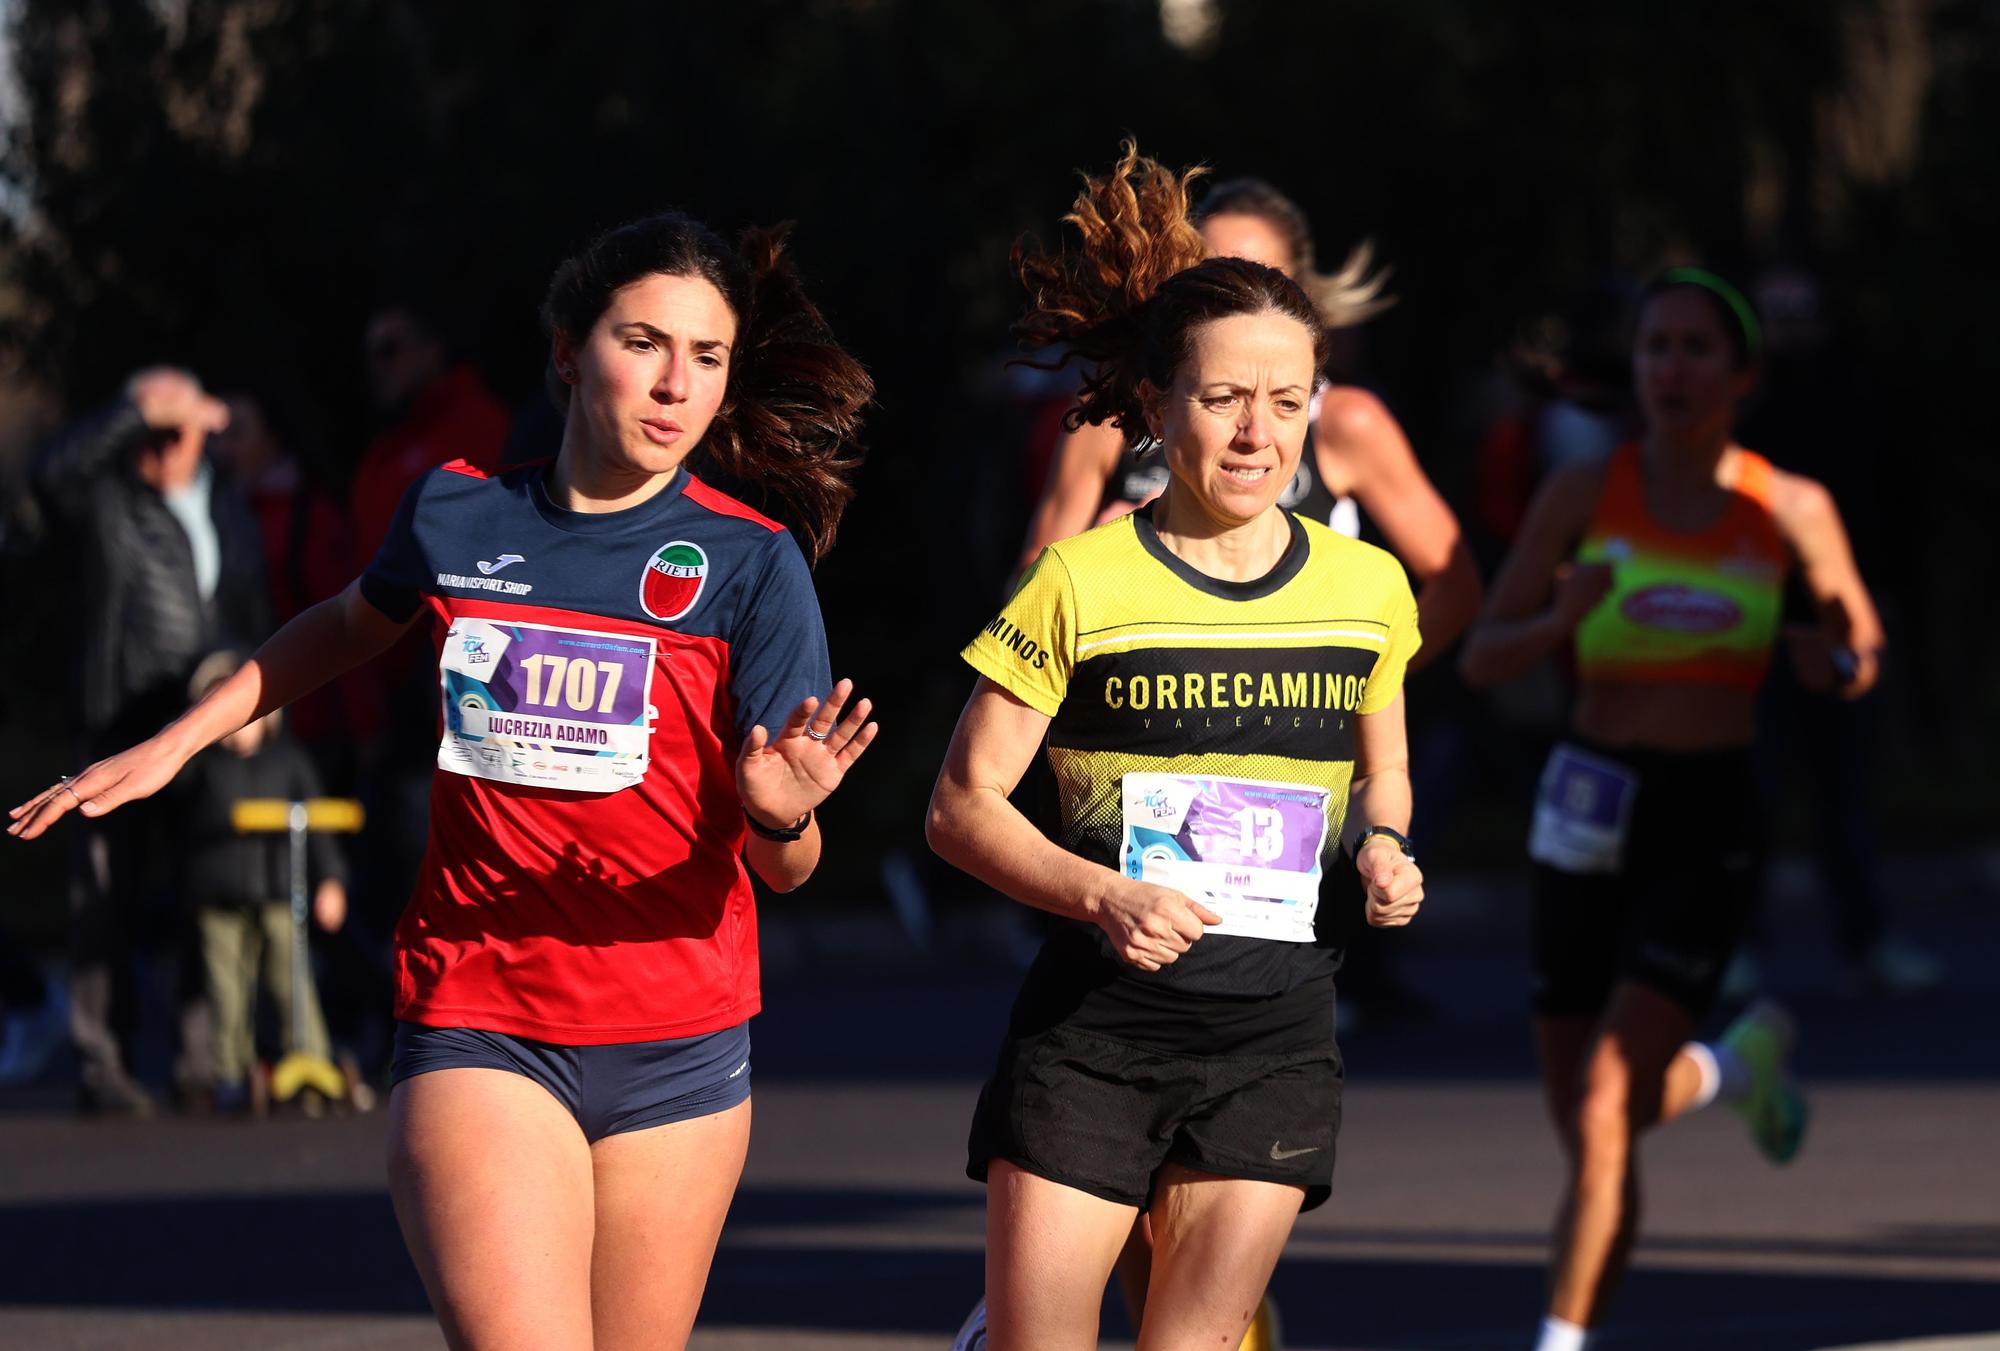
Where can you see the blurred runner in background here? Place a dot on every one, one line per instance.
(1663, 567)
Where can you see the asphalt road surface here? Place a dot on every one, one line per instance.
(856, 1228)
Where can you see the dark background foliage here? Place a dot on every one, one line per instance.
(231, 184)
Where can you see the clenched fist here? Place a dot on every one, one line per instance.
(1151, 926)
(1393, 882)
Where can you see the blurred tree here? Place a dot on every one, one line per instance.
(231, 183)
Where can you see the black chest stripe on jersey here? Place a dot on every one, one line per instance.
(1299, 702)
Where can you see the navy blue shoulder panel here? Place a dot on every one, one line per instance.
(687, 560)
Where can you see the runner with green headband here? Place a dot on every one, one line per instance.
(1740, 312)
(1662, 569)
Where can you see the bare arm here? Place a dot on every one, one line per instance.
(320, 643)
(1419, 528)
(1082, 466)
(974, 827)
(1539, 597)
(785, 865)
(1843, 651)
(1380, 796)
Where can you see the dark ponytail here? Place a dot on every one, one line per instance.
(1126, 302)
(785, 436)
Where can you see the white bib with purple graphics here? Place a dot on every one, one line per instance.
(1245, 848)
(1582, 811)
(546, 707)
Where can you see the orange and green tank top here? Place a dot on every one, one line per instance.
(1694, 608)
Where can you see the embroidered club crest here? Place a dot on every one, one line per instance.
(673, 580)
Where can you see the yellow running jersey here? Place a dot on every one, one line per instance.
(1145, 664)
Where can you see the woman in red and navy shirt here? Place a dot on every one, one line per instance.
(636, 712)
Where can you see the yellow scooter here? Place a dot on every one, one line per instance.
(298, 1071)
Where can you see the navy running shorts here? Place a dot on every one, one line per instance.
(608, 1089)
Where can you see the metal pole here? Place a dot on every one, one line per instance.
(296, 819)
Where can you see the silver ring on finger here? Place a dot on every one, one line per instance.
(63, 783)
(818, 736)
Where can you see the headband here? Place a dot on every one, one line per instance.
(1746, 318)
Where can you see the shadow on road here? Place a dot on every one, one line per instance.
(340, 1253)
(332, 1252)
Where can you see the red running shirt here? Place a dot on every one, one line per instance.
(584, 881)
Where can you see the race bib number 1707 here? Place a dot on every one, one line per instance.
(543, 706)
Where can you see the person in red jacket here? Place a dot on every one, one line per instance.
(436, 409)
(307, 558)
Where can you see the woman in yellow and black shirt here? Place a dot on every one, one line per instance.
(1220, 688)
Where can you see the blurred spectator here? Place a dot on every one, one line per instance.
(436, 408)
(308, 558)
(170, 567)
(33, 1012)
(535, 432)
(239, 889)
(305, 538)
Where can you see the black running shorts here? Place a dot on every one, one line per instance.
(1671, 914)
(1102, 1115)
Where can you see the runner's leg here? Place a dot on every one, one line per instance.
(1135, 1268)
(1626, 1086)
(1216, 1242)
(1049, 1251)
(1561, 1043)
(662, 1194)
(492, 1183)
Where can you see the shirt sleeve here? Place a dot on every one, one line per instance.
(778, 655)
(395, 580)
(1385, 682)
(1029, 649)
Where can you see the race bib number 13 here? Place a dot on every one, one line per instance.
(549, 707)
(1247, 849)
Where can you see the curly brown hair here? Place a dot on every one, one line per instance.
(784, 439)
(1126, 300)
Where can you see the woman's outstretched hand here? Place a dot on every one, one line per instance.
(125, 777)
(781, 778)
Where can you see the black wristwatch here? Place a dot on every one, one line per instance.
(782, 834)
(1400, 840)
